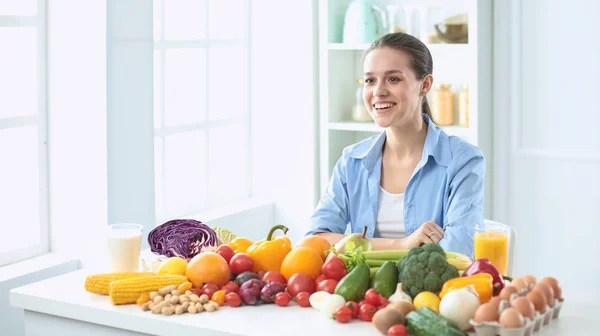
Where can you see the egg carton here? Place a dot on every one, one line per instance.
(495, 328)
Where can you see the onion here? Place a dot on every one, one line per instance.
(459, 306)
(331, 303)
(400, 295)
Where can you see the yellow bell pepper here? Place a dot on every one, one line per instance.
(267, 255)
(483, 283)
(240, 244)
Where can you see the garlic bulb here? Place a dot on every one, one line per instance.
(399, 295)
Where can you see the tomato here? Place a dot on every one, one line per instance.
(274, 276)
(372, 297)
(302, 299)
(319, 279)
(226, 252)
(209, 289)
(334, 268)
(230, 287)
(343, 314)
(361, 303)
(300, 282)
(353, 307)
(282, 299)
(240, 263)
(261, 274)
(327, 286)
(196, 291)
(233, 299)
(366, 312)
(397, 330)
(219, 297)
(383, 301)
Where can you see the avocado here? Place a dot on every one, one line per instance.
(385, 279)
(354, 285)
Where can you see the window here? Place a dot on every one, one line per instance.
(23, 153)
(202, 104)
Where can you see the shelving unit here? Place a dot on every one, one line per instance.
(457, 64)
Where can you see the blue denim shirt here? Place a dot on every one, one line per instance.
(446, 187)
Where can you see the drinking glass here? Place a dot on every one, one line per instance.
(124, 245)
(495, 241)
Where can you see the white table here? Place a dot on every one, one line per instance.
(60, 306)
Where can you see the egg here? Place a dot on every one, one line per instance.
(496, 301)
(538, 299)
(548, 292)
(487, 312)
(530, 280)
(507, 292)
(511, 318)
(520, 285)
(555, 286)
(524, 306)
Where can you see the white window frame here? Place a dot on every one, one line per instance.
(161, 132)
(41, 121)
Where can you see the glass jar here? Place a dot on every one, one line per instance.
(359, 110)
(463, 106)
(442, 104)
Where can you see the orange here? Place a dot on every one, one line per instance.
(302, 260)
(208, 267)
(317, 244)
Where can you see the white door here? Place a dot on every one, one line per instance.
(546, 154)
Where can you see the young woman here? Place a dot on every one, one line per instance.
(412, 184)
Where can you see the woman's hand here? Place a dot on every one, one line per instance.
(429, 232)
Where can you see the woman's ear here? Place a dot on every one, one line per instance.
(427, 84)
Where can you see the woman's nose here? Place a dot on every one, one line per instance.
(380, 90)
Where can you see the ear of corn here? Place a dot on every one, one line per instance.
(100, 283)
(129, 290)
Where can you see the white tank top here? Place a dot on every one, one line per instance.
(390, 215)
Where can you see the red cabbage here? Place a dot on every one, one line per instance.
(181, 238)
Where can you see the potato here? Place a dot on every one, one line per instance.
(387, 317)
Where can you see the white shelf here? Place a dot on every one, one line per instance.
(357, 126)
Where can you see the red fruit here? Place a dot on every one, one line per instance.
(327, 286)
(354, 307)
(233, 299)
(282, 299)
(196, 291)
(240, 263)
(274, 276)
(302, 299)
(261, 274)
(209, 289)
(230, 287)
(334, 268)
(383, 301)
(366, 312)
(319, 279)
(372, 297)
(397, 330)
(226, 252)
(343, 314)
(300, 282)
(361, 303)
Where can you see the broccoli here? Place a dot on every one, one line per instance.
(425, 268)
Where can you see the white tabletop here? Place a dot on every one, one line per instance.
(64, 296)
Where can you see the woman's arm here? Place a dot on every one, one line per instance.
(377, 243)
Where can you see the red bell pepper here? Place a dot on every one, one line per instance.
(484, 265)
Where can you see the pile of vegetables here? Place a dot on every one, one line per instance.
(182, 238)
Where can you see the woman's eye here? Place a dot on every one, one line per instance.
(394, 79)
(368, 80)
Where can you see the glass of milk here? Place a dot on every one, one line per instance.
(124, 244)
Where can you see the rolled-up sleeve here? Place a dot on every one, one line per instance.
(331, 214)
(465, 203)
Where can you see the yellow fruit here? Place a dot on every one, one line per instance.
(173, 265)
(427, 299)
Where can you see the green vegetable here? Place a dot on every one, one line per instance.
(385, 279)
(385, 255)
(377, 263)
(425, 268)
(426, 322)
(355, 284)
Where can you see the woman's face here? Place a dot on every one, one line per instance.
(392, 92)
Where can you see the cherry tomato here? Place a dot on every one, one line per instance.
(300, 282)
(261, 274)
(353, 307)
(397, 330)
(274, 276)
(361, 303)
(372, 297)
(302, 299)
(319, 279)
(226, 252)
(219, 297)
(196, 291)
(383, 301)
(282, 299)
(230, 287)
(334, 268)
(209, 289)
(366, 312)
(327, 286)
(233, 299)
(343, 314)
(240, 263)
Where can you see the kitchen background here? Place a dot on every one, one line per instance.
(131, 119)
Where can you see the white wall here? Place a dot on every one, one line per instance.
(546, 142)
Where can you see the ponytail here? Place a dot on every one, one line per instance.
(426, 109)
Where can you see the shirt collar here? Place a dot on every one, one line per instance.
(437, 145)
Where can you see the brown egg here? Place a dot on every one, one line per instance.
(555, 286)
(507, 292)
(538, 299)
(496, 301)
(511, 318)
(548, 292)
(524, 306)
(520, 285)
(530, 280)
(487, 312)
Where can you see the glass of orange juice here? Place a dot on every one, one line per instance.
(492, 242)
